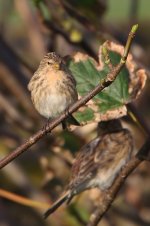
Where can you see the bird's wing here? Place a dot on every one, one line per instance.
(83, 166)
(31, 83)
(113, 148)
(70, 76)
(109, 150)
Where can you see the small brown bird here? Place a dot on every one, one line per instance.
(53, 87)
(99, 162)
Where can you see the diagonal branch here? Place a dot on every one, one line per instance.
(112, 192)
(111, 76)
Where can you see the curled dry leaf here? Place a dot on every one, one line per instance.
(111, 102)
(77, 57)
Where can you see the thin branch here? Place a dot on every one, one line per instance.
(137, 117)
(133, 113)
(111, 76)
(109, 197)
(22, 200)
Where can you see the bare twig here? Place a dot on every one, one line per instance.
(133, 113)
(109, 197)
(104, 83)
(138, 118)
(22, 200)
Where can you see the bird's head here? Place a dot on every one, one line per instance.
(52, 61)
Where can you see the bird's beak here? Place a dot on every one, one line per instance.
(56, 66)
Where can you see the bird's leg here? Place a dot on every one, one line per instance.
(67, 112)
(64, 122)
(46, 125)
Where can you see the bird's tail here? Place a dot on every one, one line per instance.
(57, 204)
(73, 121)
(70, 120)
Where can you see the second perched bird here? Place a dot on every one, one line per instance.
(99, 162)
(53, 87)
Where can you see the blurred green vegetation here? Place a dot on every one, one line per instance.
(118, 11)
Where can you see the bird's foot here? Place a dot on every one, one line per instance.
(67, 113)
(46, 127)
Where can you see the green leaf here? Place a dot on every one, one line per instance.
(84, 116)
(116, 95)
(87, 77)
(111, 102)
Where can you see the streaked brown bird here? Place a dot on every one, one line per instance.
(53, 88)
(99, 162)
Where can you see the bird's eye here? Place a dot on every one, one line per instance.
(50, 62)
